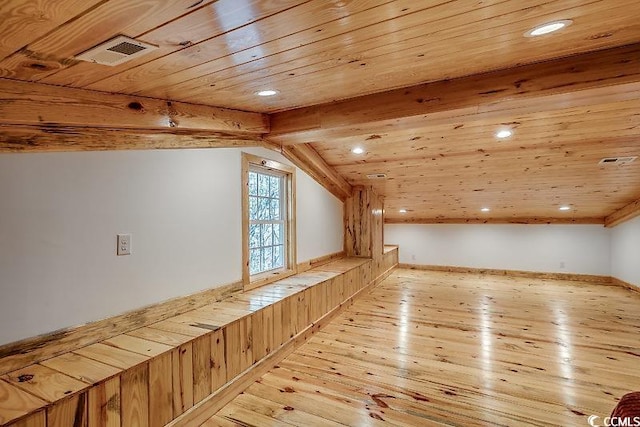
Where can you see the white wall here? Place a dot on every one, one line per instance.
(584, 249)
(625, 251)
(60, 213)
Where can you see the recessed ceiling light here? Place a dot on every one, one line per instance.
(547, 28)
(565, 208)
(402, 211)
(504, 133)
(358, 150)
(485, 210)
(267, 92)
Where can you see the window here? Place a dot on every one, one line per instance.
(267, 219)
(268, 223)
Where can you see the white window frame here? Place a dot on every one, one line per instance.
(249, 163)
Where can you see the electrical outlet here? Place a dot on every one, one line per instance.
(562, 264)
(124, 244)
(413, 257)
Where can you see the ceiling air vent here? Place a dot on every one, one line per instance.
(617, 160)
(116, 51)
(377, 176)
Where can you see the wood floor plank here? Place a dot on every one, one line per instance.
(440, 348)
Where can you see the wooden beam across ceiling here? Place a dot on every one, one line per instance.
(29, 103)
(38, 139)
(568, 82)
(306, 158)
(30, 113)
(523, 220)
(627, 213)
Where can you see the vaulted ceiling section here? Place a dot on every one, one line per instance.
(421, 87)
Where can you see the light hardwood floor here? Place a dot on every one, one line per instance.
(432, 348)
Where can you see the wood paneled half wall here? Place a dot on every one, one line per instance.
(182, 369)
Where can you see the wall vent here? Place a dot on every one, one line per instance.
(377, 176)
(116, 51)
(617, 160)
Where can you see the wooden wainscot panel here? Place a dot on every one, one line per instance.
(278, 325)
(32, 350)
(337, 291)
(182, 374)
(262, 328)
(302, 309)
(160, 390)
(232, 344)
(218, 360)
(104, 404)
(315, 301)
(245, 326)
(267, 324)
(70, 412)
(258, 335)
(350, 283)
(135, 397)
(328, 293)
(39, 419)
(289, 318)
(291, 308)
(201, 368)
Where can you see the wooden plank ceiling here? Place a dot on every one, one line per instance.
(570, 108)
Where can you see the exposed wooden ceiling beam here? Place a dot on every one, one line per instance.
(306, 158)
(524, 220)
(562, 83)
(59, 138)
(627, 213)
(34, 104)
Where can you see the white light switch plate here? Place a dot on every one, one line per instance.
(124, 244)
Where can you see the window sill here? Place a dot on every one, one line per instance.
(269, 277)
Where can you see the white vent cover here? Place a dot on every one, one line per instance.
(377, 176)
(116, 51)
(617, 160)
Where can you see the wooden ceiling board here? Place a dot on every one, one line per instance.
(23, 22)
(56, 50)
(382, 65)
(529, 182)
(203, 23)
(331, 43)
(244, 46)
(395, 60)
(163, 70)
(607, 121)
(240, 46)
